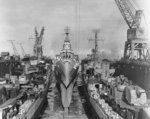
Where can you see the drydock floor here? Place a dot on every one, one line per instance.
(79, 108)
(54, 109)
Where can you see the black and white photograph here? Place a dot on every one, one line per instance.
(74, 59)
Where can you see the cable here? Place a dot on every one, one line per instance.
(77, 24)
(78, 40)
(76, 21)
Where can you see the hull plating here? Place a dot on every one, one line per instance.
(65, 72)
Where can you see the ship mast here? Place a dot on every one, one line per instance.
(67, 45)
(96, 31)
(67, 34)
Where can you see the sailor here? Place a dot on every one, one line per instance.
(36, 88)
(14, 117)
(10, 114)
(18, 105)
(15, 113)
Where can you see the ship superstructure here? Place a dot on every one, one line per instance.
(66, 70)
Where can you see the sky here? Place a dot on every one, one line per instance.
(18, 18)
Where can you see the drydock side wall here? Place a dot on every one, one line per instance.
(139, 74)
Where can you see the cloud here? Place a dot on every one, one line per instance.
(19, 17)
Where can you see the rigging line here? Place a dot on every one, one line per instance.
(76, 7)
(77, 24)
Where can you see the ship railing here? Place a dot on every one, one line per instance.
(26, 105)
(106, 109)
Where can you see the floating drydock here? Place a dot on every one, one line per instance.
(136, 71)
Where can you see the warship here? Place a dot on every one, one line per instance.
(66, 68)
(24, 84)
(114, 97)
(119, 90)
(33, 88)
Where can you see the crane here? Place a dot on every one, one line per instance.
(23, 51)
(14, 48)
(136, 46)
(37, 50)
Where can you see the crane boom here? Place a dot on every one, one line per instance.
(14, 48)
(129, 13)
(37, 50)
(23, 51)
(41, 35)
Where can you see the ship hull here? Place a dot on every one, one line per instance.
(94, 110)
(65, 74)
(32, 106)
(36, 109)
(138, 73)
